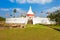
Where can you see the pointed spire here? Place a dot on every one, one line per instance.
(30, 11)
(30, 8)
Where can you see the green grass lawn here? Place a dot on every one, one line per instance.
(57, 26)
(32, 32)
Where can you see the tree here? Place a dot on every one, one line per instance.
(55, 16)
(2, 19)
(14, 12)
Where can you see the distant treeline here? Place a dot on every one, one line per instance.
(2, 19)
(55, 16)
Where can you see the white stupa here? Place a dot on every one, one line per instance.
(30, 13)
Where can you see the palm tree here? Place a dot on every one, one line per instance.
(41, 14)
(14, 12)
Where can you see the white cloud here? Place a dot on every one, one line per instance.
(4, 9)
(19, 10)
(33, 1)
(39, 1)
(12, 1)
(53, 9)
(21, 1)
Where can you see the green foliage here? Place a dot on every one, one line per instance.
(23, 15)
(2, 19)
(14, 12)
(55, 16)
(57, 26)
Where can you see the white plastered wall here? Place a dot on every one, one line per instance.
(16, 20)
(38, 20)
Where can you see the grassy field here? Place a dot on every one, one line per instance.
(57, 26)
(32, 32)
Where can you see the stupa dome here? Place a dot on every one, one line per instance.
(30, 13)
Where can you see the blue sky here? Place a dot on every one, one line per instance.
(22, 6)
